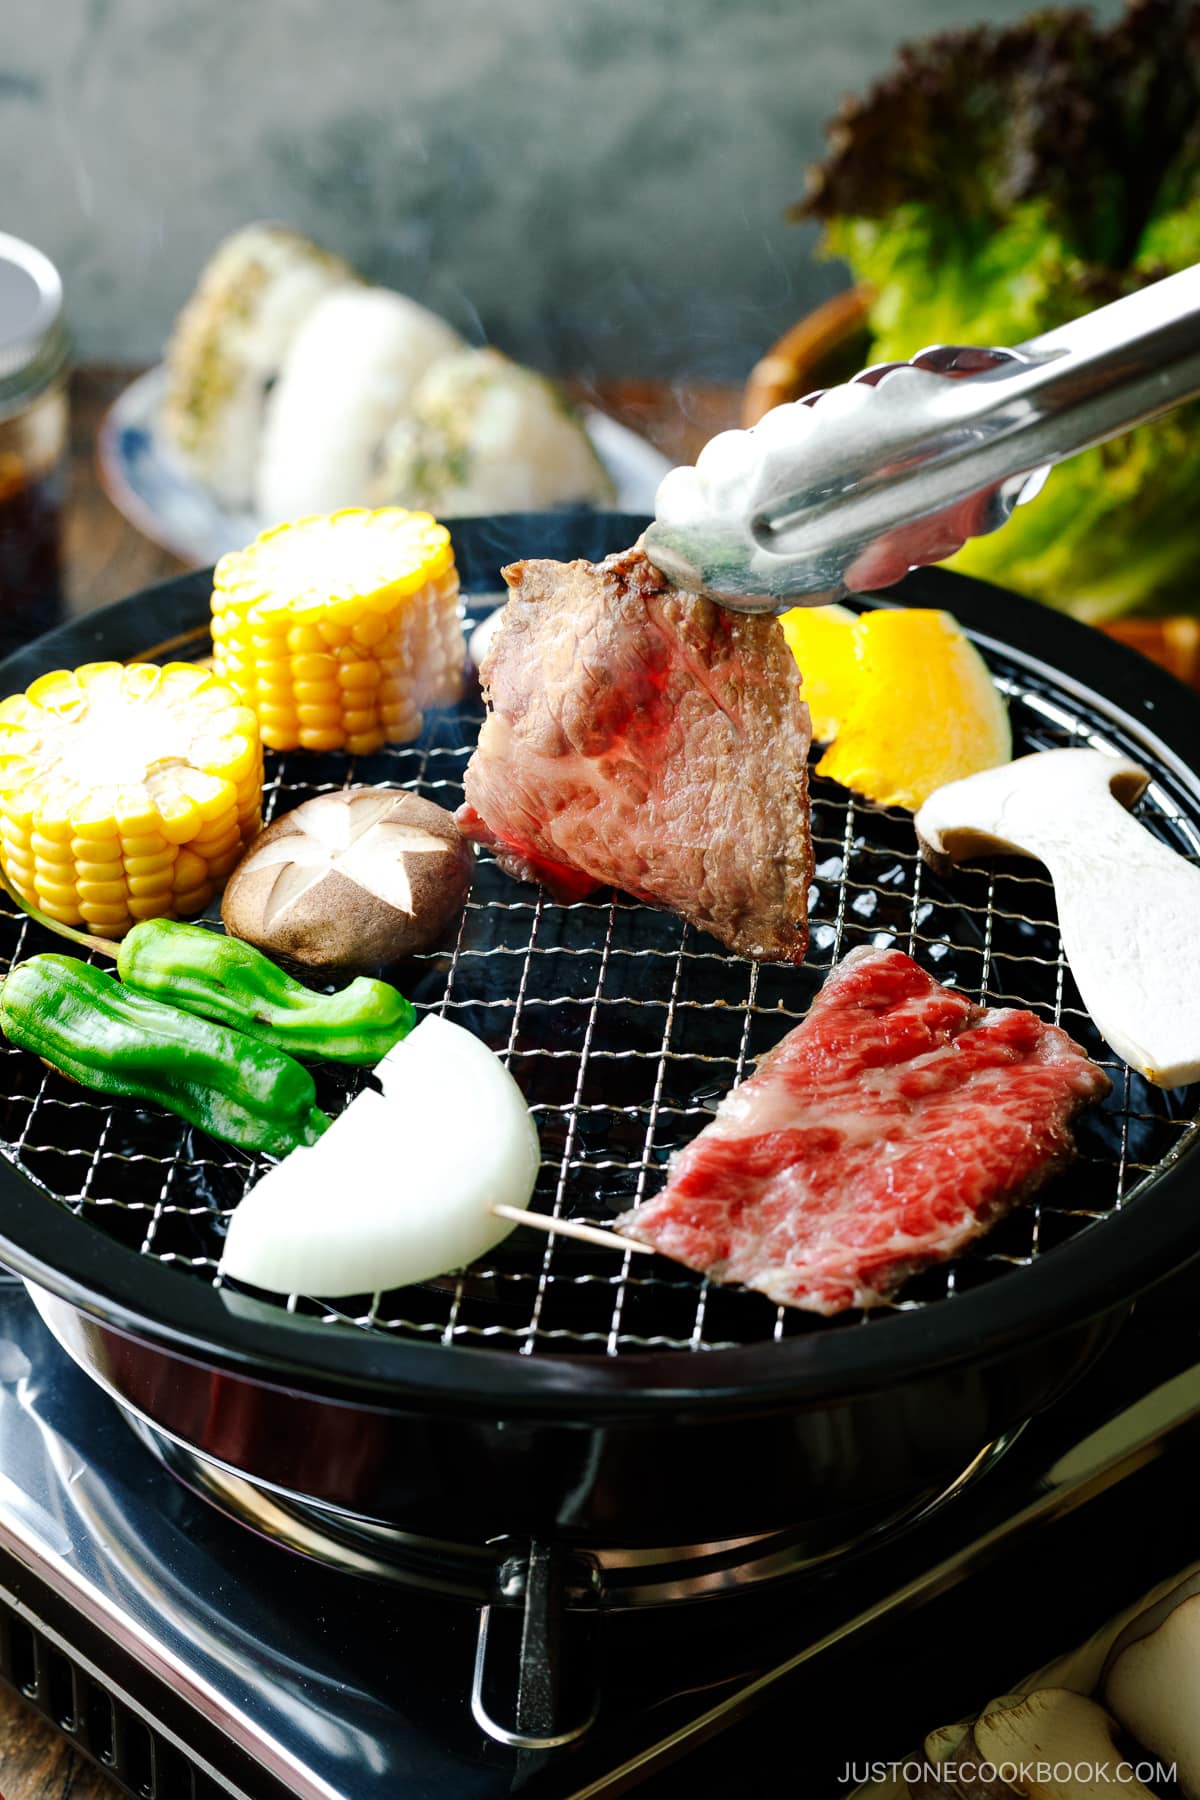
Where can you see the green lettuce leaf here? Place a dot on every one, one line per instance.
(995, 184)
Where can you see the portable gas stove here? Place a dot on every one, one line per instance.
(567, 1519)
(193, 1659)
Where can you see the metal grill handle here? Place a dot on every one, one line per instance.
(541, 1584)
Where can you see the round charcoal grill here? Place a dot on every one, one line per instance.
(576, 1395)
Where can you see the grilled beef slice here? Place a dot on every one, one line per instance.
(649, 740)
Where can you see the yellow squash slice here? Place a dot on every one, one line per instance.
(821, 638)
(339, 630)
(126, 793)
(905, 696)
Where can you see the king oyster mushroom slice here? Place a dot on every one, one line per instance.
(939, 1748)
(351, 880)
(1152, 1681)
(1048, 1745)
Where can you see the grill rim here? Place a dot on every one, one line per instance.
(1103, 1267)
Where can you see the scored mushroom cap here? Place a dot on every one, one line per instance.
(1152, 1681)
(351, 880)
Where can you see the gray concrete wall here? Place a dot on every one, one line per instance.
(601, 183)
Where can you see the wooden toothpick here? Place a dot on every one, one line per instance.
(587, 1234)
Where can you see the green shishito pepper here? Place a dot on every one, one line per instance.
(119, 1042)
(226, 979)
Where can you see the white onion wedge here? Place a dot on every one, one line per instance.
(401, 1186)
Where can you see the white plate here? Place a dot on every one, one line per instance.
(144, 481)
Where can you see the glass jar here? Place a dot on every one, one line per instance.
(33, 442)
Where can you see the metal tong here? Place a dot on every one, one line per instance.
(849, 488)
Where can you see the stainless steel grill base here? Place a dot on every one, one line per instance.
(609, 1579)
(192, 1661)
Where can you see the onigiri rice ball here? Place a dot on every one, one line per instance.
(350, 373)
(229, 344)
(484, 434)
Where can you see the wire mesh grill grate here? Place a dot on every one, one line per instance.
(624, 1028)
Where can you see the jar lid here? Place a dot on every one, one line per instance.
(33, 336)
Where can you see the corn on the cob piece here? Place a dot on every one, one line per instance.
(340, 630)
(125, 792)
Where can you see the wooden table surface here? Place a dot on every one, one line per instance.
(105, 559)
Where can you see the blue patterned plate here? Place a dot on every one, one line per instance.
(145, 482)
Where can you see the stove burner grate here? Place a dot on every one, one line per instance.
(99, 1722)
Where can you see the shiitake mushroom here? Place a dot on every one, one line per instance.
(353, 881)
